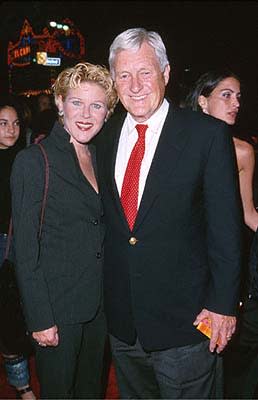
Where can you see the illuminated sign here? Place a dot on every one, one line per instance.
(53, 61)
(34, 60)
(41, 57)
(68, 44)
(20, 52)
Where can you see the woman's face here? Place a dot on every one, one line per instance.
(224, 101)
(9, 127)
(84, 111)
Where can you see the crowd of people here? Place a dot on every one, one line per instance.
(142, 239)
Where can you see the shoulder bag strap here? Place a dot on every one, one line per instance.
(8, 244)
(45, 188)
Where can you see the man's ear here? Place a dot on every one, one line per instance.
(166, 74)
(203, 103)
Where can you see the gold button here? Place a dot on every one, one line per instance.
(133, 241)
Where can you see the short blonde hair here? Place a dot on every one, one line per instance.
(70, 78)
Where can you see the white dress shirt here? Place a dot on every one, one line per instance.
(128, 138)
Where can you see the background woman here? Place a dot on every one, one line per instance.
(11, 141)
(217, 93)
(61, 277)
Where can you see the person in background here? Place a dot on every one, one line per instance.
(27, 119)
(218, 93)
(44, 124)
(44, 117)
(44, 102)
(254, 142)
(60, 276)
(11, 141)
(172, 248)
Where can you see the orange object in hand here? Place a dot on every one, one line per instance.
(205, 327)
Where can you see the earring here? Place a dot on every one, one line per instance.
(60, 113)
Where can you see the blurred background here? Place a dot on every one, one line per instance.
(40, 38)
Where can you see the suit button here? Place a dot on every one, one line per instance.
(133, 241)
(98, 255)
(95, 221)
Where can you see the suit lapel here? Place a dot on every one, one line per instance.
(172, 141)
(111, 153)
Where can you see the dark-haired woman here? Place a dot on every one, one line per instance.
(217, 93)
(16, 365)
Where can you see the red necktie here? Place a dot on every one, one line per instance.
(130, 187)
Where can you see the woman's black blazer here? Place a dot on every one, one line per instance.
(60, 276)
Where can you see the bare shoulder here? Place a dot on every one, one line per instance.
(243, 149)
(244, 154)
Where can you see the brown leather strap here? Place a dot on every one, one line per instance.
(8, 244)
(45, 188)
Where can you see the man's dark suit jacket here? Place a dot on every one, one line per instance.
(60, 280)
(185, 249)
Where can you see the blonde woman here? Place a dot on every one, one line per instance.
(61, 276)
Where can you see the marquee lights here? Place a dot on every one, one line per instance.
(60, 43)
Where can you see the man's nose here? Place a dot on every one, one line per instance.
(136, 84)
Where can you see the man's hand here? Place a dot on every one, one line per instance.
(222, 328)
(48, 337)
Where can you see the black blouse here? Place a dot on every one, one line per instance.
(7, 157)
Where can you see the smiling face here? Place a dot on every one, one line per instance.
(9, 127)
(139, 81)
(224, 101)
(84, 111)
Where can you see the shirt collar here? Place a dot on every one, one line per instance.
(154, 122)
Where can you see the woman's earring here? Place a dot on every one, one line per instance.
(60, 113)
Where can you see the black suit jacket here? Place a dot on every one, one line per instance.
(60, 279)
(187, 254)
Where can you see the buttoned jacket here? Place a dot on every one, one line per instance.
(184, 253)
(60, 275)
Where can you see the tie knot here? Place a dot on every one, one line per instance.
(141, 129)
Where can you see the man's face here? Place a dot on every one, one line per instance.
(139, 81)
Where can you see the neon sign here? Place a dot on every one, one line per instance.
(61, 44)
(22, 51)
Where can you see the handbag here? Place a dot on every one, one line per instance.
(14, 336)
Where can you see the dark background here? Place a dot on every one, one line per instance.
(199, 35)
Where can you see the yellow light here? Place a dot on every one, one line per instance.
(41, 57)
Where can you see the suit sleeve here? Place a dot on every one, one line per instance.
(27, 185)
(224, 224)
